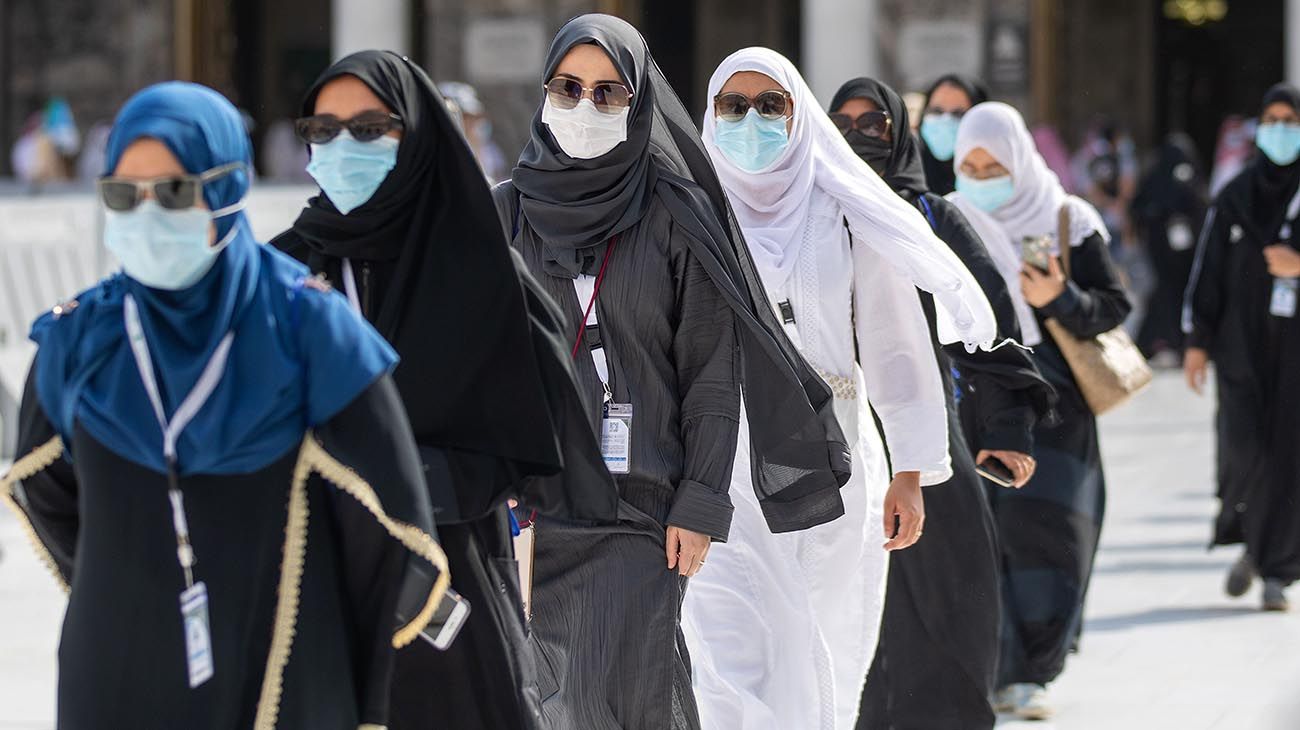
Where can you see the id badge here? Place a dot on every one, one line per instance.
(1283, 302)
(198, 635)
(616, 437)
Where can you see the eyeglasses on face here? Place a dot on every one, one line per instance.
(176, 192)
(367, 126)
(733, 106)
(609, 97)
(872, 124)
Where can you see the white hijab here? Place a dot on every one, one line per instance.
(772, 206)
(1038, 197)
(1034, 206)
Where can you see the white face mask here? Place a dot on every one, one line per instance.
(584, 132)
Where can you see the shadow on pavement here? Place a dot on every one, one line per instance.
(1172, 615)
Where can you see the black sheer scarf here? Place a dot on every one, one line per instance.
(481, 381)
(800, 457)
(939, 173)
(904, 171)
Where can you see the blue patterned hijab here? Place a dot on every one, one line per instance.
(299, 355)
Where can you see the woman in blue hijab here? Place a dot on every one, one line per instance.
(218, 467)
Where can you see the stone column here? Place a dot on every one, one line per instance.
(1291, 30)
(360, 24)
(839, 42)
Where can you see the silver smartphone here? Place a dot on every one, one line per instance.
(1036, 251)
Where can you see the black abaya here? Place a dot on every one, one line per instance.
(936, 659)
(1049, 528)
(1254, 354)
(316, 651)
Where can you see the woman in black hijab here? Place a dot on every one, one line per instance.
(936, 660)
(1168, 211)
(1241, 313)
(484, 374)
(947, 99)
(615, 197)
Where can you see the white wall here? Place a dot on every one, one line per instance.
(358, 25)
(839, 43)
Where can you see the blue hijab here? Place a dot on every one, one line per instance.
(299, 355)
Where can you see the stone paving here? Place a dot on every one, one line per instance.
(1163, 647)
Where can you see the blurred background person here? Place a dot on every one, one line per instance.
(1241, 314)
(1105, 174)
(478, 129)
(947, 99)
(1232, 151)
(1049, 530)
(1167, 214)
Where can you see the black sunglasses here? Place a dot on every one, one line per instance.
(367, 126)
(609, 97)
(733, 106)
(173, 193)
(872, 124)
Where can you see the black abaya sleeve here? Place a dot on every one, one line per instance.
(1094, 300)
(1203, 307)
(48, 497)
(705, 353)
(373, 438)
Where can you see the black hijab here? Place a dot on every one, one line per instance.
(1259, 196)
(577, 205)
(1174, 184)
(939, 173)
(448, 297)
(800, 457)
(903, 170)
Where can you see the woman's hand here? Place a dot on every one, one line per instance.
(1041, 289)
(1196, 363)
(904, 502)
(1022, 466)
(1283, 261)
(686, 550)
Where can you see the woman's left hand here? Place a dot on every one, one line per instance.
(904, 503)
(1041, 289)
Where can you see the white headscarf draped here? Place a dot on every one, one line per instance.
(1034, 206)
(772, 206)
(1038, 197)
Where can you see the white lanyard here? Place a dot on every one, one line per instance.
(172, 429)
(350, 286)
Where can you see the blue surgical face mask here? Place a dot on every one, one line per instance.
(940, 134)
(1280, 141)
(753, 143)
(165, 249)
(350, 172)
(988, 194)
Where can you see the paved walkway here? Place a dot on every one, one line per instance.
(1163, 649)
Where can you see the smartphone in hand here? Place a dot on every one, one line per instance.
(995, 471)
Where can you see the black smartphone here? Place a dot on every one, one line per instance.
(995, 471)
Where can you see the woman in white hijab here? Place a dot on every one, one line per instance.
(782, 628)
(1048, 531)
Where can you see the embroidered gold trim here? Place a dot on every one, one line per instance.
(412, 538)
(34, 463)
(289, 592)
(313, 457)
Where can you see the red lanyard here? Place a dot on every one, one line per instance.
(600, 278)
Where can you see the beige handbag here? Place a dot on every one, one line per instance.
(1108, 368)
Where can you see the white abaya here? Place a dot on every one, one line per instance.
(782, 628)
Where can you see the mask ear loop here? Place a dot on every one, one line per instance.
(229, 210)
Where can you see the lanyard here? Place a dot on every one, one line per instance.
(350, 286)
(600, 278)
(172, 429)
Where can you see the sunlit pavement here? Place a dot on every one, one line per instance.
(1163, 649)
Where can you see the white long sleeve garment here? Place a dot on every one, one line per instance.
(836, 286)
